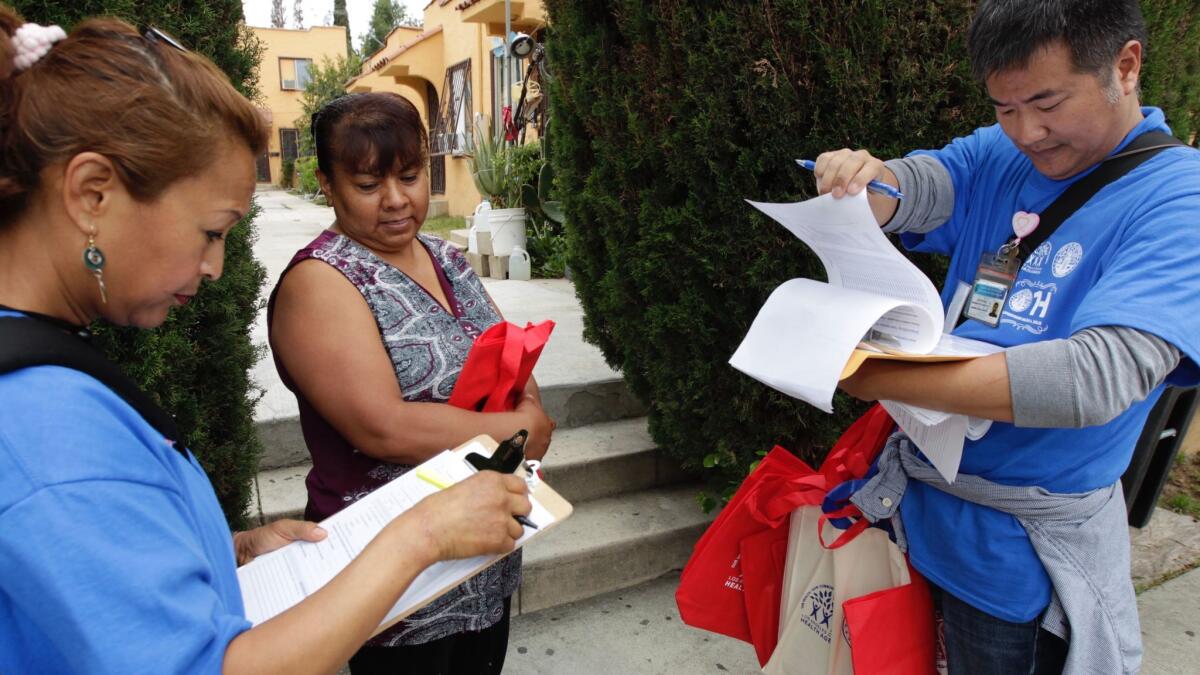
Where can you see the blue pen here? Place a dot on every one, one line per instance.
(877, 186)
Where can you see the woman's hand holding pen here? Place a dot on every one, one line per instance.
(472, 517)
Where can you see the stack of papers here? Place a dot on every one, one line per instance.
(810, 335)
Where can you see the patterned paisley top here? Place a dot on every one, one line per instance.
(428, 347)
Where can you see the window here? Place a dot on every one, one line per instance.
(452, 131)
(293, 73)
(287, 144)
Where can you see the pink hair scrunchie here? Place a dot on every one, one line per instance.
(31, 42)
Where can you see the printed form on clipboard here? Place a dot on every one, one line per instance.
(809, 335)
(281, 579)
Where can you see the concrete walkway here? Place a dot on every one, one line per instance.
(638, 630)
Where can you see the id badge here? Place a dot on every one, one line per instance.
(994, 278)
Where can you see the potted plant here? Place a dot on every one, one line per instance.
(501, 227)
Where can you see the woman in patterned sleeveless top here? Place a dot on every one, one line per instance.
(370, 326)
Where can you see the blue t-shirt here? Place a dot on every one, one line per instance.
(114, 553)
(1126, 258)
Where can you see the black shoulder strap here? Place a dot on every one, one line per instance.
(25, 343)
(1139, 150)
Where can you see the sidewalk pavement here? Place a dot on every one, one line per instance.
(638, 630)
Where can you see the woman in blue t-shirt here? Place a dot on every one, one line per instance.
(126, 161)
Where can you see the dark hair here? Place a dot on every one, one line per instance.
(147, 106)
(1006, 33)
(369, 133)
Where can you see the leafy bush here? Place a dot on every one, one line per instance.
(196, 365)
(287, 173)
(306, 175)
(667, 115)
(547, 244)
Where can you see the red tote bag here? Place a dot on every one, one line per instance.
(499, 365)
(777, 462)
(892, 631)
(711, 591)
(763, 558)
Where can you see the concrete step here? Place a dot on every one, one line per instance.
(610, 544)
(459, 237)
(570, 404)
(591, 462)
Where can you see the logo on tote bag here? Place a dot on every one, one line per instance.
(817, 608)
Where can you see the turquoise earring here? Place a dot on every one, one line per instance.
(93, 259)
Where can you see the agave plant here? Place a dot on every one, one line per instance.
(490, 168)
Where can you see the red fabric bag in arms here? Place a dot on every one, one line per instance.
(499, 365)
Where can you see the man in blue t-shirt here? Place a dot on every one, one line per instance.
(1096, 320)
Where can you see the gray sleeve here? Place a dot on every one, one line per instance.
(1087, 379)
(928, 194)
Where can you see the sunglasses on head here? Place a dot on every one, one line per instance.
(156, 35)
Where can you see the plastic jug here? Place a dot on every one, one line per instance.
(479, 223)
(519, 267)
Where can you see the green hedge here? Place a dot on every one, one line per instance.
(667, 115)
(197, 363)
(287, 174)
(306, 175)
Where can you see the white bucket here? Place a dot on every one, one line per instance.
(507, 227)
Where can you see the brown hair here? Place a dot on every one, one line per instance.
(369, 133)
(154, 110)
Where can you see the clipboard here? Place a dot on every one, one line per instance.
(281, 579)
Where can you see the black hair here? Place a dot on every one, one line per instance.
(1005, 34)
(372, 133)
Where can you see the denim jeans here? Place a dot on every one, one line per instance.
(978, 643)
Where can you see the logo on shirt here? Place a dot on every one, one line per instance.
(1067, 259)
(816, 610)
(1029, 305)
(1037, 259)
(1021, 300)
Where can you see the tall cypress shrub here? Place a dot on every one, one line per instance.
(197, 364)
(668, 115)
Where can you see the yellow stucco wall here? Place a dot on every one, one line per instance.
(316, 43)
(407, 72)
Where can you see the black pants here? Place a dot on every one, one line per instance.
(480, 653)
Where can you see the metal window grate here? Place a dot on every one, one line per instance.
(287, 143)
(452, 133)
